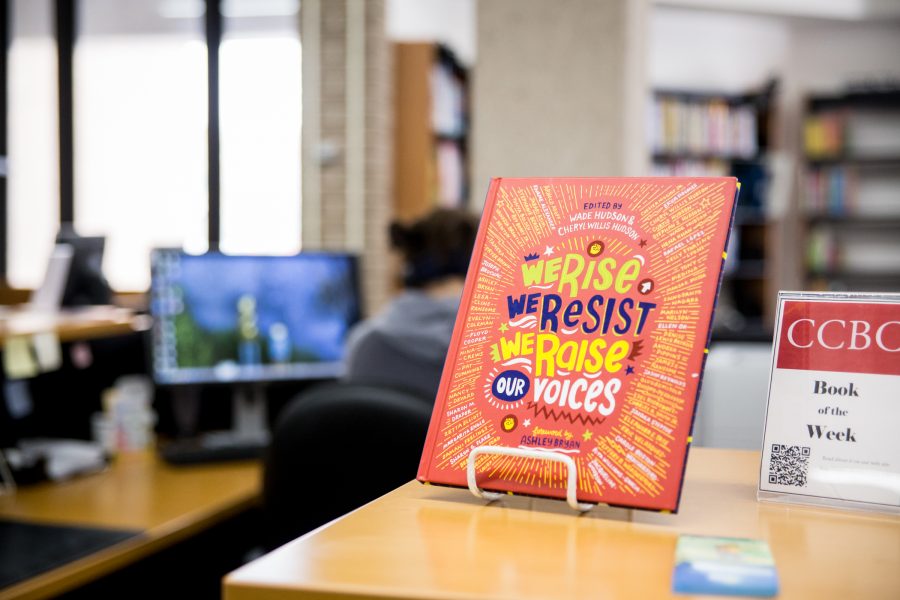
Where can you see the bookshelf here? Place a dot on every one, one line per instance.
(431, 130)
(713, 135)
(851, 191)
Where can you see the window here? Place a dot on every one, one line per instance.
(260, 127)
(140, 132)
(140, 155)
(33, 182)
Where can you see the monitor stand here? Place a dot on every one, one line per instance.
(248, 437)
(249, 417)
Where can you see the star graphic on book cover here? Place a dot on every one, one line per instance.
(504, 327)
(629, 370)
(587, 435)
(548, 251)
(643, 243)
(526, 423)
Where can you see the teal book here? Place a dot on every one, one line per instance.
(724, 566)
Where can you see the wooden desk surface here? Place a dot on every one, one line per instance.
(140, 492)
(73, 324)
(432, 542)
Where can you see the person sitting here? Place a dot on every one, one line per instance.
(404, 346)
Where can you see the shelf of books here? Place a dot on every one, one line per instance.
(432, 125)
(712, 135)
(851, 191)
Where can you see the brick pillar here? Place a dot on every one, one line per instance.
(347, 128)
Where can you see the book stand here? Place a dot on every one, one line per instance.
(571, 489)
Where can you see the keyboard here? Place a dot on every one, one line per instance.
(29, 549)
(199, 450)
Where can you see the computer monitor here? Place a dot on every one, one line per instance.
(250, 319)
(85, 284)
(245, 321)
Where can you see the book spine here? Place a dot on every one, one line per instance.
(461, 316)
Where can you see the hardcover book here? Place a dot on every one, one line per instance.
(583, 330)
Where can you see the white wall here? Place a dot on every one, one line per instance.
(451, 22)
(717, 52)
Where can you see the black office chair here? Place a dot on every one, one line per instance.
(335, 448)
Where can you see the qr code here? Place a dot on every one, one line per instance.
(789, 465)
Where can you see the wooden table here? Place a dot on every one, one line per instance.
(72, 324)
(137, 492)
(432, 542)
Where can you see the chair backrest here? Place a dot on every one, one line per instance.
(732, 407)
(335, 448)
(377, 361)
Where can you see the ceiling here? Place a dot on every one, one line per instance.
(845, 10)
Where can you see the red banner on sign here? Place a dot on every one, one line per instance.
(848, 337)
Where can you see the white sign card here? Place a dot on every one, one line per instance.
(834, 402)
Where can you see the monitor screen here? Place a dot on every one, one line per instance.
(221, 318)
(85, 284)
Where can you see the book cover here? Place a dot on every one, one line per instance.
(583, 330)
(724, 566)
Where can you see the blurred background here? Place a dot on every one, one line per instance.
(267, 126)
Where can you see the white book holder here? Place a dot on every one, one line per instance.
(571, 487)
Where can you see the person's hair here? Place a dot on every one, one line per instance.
(436, 246)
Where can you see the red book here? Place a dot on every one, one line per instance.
(583, 331)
